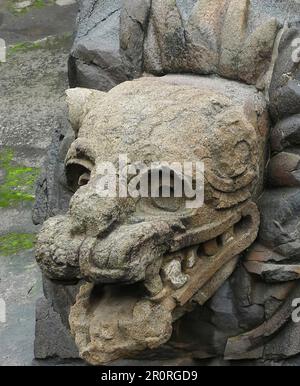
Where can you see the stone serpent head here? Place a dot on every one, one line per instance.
(146, 259)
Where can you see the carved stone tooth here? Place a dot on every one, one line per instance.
(153, 282)
(228, 236)
(154, 285)
(210, 248)
(191, 258)
(172, 272)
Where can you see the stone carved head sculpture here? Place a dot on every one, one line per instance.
(148, 262)
(148, 259)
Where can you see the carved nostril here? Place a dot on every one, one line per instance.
(92, 214)
(107, 332)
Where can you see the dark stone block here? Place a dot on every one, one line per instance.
(52, 338)
(285, 89)
(108, 47)
(286, 134)
(280, 221)
(52, 195)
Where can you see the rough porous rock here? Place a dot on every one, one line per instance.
(285, 89)
(52, 194)
(208, 38)
(284, 170)
(52, 335)
(117, 41)
(274, 273)
(108, 48)
(53, 339)
(280, 221)
(286, 134)
(119, 325)
(286, 345)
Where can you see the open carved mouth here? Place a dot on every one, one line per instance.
(185, 272)
(117, 321)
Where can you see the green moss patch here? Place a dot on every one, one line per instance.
(14, 243)
(35, 4)
(19, 181)
(49, 43)
(24, 46)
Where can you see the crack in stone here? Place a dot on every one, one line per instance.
(101, 21)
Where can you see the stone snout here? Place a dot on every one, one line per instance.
(99, 241)
(119, 241)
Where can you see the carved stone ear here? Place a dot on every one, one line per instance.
(77, 99)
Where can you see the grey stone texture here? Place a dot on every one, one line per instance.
(53, 339)
(108, 48)
(117, 41)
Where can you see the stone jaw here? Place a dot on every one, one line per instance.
(145, 318)
(119, 324)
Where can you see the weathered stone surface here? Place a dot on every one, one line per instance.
(215, 283)
(260, 253)
(214, 38)
(122, 323)
(286, 134)
(284, 170)
(262, 293)
(250, 345)
(248, 313)
(108, 48)
(231, 38)
(284, 89)
(52, 337)
(274, 273)
(280, 221)
(52, 333)
(203, 333)
(52, 194)
(286, 344)
(62, 296)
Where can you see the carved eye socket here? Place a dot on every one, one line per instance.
(167, 195)
(169, 204)
(77, 176)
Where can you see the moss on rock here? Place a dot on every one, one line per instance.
(13, 243)
(13, 6)
(19, 181)
(49, 43)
